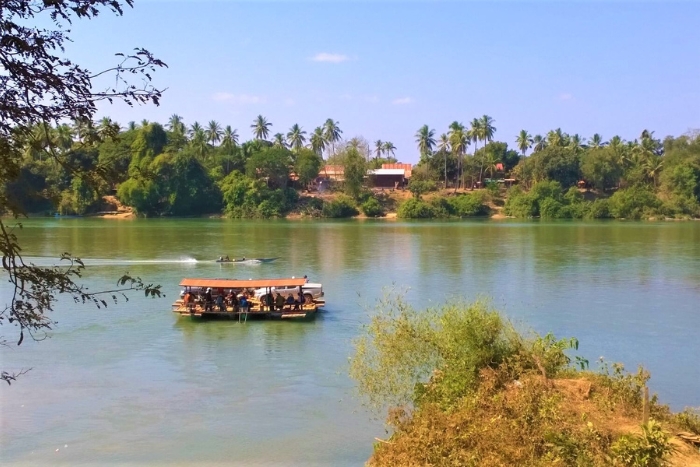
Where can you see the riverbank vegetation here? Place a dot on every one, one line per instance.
(464, 387)
(180, 170)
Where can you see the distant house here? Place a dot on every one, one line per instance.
(335, 173)
(390, 176)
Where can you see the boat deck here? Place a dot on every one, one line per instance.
(255, 311)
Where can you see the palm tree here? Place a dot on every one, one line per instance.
(318, 142)
(490, 161)
(425, 139)
(331, 133)
(575, 142)
(615, 142)
(107, 128)
(487, 129)
(539, 143)
(261, 127)
(474, 132)
(596, 141)
(195, 129)
(652, 167)
(378, 148)
(83, 129)
(63, 137)
(176, 124)
(296, 137)
(131, 126)
(229, 139)
(459, 140)
(144, 123)
(389, 148)
(278, 140)
(213, 132)
(444, 146)
(556, 138)
(524, 141)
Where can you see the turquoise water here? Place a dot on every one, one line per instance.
(134, 384)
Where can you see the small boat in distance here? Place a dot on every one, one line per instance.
(245, 260)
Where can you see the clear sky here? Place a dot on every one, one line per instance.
(383, 69)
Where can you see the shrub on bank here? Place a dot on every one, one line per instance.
(372, 207)
(342, 206)
(415, 209)
(636, 202)
(467, 205)
(466, 388)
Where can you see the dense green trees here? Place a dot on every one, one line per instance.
(175, 169)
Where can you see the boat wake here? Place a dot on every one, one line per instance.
(47, 261)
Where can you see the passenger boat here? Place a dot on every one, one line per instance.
(248, 260)
(192, 302)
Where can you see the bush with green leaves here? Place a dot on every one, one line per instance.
(341, 206)
(415, 209)
(372, 207)
(468, 205)
(648, 450)
(636, 202)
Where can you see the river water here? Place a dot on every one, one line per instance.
(134, 384)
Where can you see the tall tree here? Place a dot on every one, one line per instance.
(487, 129)
(459, 141)
(539, 143)
(524, 141)
(229, 139)
(318, 141)
(389, 148)
(425, 138)
(176, 124)
(278, 141)
(444, 147)
(475, 132)
(331, 133)
(40, 83)
(261, 127)
(596, 141)
(378, 148)
(213, 132)
(296, 137)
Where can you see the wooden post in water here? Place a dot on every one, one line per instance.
(645, 410)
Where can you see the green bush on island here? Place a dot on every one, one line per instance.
(464, 387)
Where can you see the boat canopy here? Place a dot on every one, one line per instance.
(242, 284)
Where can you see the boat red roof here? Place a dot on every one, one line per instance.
(241, 283)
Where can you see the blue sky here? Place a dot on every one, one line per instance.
(383, 69)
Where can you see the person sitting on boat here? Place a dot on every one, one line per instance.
(306, 279)
(207, 300)
(220, 303)
(221, 258)
(227, 258)
(290, 300)
(279, 301)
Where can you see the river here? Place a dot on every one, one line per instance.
(135, 384)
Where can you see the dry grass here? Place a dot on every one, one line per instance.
(530, 422)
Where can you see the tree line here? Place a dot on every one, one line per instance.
(645, 177)
(181, 170)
